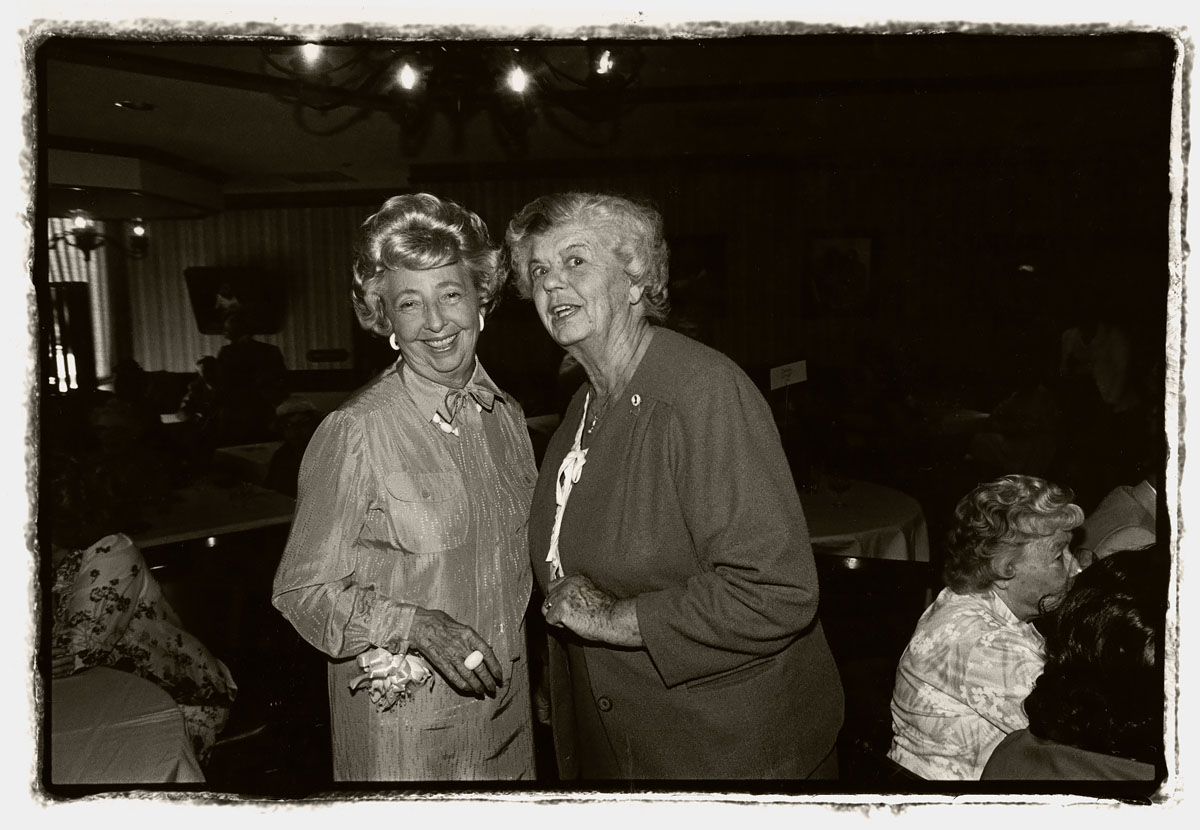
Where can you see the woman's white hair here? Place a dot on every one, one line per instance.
(636, 229)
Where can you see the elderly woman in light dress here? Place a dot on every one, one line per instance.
(975, 653)
(406, 562)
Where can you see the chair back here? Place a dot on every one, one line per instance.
(868, 610)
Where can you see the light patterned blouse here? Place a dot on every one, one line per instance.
(961, 685)
(408, 498)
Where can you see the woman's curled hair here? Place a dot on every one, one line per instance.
(1102, 687)
(995, 520)
(419, 231)
(635, 228)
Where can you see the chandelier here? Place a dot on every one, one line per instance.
(83, 233)
(578, 89)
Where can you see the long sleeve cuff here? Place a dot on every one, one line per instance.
(390, 623)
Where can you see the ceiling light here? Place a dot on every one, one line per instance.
(578, 89)
(517, 80)
(407, 77)
(311, 52)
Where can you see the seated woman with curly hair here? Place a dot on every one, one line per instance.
(1096, 713)
(975, 653)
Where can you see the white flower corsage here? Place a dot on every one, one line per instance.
(392, 678)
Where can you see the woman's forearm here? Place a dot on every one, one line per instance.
(577, 604)
(623, 624)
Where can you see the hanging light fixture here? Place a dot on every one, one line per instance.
(84, 234)
(574, 87)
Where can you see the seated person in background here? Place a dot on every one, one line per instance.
(108, 610)
(200, 398)
(296, 419)
(975, 654)
(251, 382)
(1124, 520)
(1096, 713)
(196, 436)
(132, 387)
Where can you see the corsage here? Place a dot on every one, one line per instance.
(391, 678)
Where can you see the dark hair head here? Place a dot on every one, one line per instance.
(1102, 689)
(635, 228)
(418, 231)
(994, 521)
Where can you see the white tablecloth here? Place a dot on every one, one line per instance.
(202, 509)
(874, 521)
(112, 727)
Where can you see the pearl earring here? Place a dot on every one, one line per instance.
(394, 344)
(481, 321)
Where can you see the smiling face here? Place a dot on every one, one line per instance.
(435, 317)
(583, 296)
(1044, 568)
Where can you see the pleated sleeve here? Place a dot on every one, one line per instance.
(315, 586)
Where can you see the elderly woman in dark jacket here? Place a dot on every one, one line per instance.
(679, 580)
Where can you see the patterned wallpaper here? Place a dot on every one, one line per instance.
(933, 249)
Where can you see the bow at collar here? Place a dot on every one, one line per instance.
(456, 399)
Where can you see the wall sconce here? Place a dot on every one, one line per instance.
(87, 237)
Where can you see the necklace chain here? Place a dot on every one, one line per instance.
(623, 380)
(597, 414)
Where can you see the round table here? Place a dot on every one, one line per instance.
(112, 727)
(866, 520)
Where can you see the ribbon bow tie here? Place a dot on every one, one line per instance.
(456, 399)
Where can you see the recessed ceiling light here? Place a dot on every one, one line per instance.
(138, 106)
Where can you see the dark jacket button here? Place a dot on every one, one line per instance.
(604, 704)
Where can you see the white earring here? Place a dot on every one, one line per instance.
(394, 344)
(481, 321)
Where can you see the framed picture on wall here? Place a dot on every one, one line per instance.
(838, 270)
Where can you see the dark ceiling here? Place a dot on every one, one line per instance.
(217, 114)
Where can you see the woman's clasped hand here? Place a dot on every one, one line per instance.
(575, 603)
(448, 645)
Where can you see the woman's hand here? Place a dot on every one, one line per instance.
(62, 663)
(447, 643)
(575, 603)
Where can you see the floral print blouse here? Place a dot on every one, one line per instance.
(109, 611)
(961, 685)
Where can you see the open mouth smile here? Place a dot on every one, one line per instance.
(443, 345)
(563, 311)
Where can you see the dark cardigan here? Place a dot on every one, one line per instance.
(686, 502)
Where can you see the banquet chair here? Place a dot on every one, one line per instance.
(277, 739)
(868, 609)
